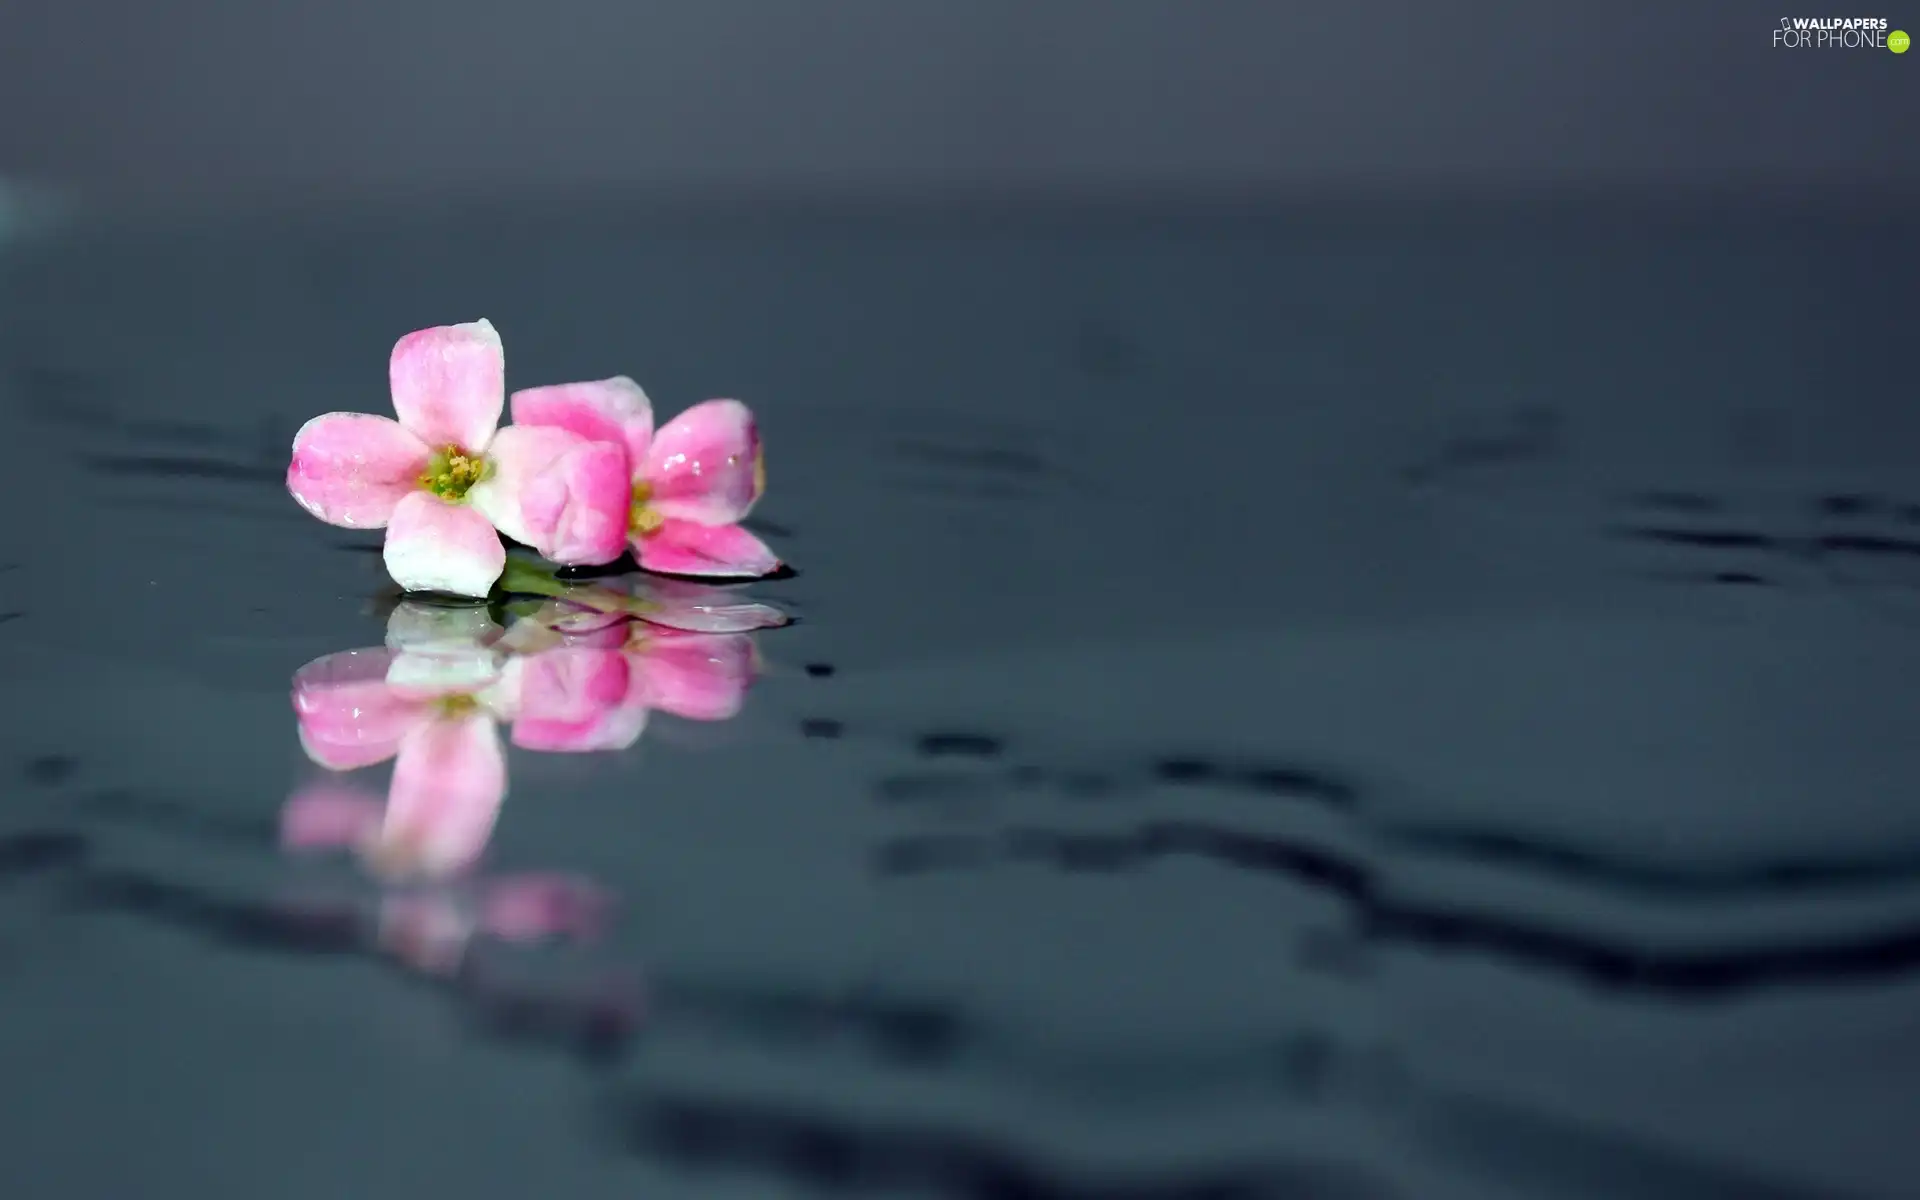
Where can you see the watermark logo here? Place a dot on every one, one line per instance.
(1840, 33)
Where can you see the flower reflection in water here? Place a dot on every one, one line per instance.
(587, 684)
(578, 668)
(578, 671)
(428, 920)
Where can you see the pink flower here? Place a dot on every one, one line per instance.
(694, 479)
(568, 679)
(593, 690)
(429, 700)
(449, 769)
(443, 477)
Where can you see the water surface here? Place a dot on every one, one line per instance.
(1281, 706)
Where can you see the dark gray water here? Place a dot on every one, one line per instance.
(1282, 706)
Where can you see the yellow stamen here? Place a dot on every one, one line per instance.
(452, 471)
(642, 519)
(458, 705)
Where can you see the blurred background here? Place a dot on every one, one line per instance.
(230, 102)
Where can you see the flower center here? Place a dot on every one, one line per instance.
(452, 471)
(641, 518)
(460, 704)
(759, 473)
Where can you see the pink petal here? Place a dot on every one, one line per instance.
(585, 626)
(716, 551)
(348, 715)
(554, 490)
(448, 784)
(327, 816)
(450, 384)
(350, 469)
(527, 908)
(574, 700)
(433, 546)
(346, 754)
(571, 683)
(343, 667)
(696, 676)
(617, 728)
(703, 608)
(704, 465)
(607, 410)
(719, 618)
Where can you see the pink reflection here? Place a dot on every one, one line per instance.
(576, 674)
(576, 606)
(579, 671)
(429, 918)
(591, 688)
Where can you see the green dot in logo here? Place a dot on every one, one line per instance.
(1898, 41)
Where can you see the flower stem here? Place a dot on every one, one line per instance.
(535, 577)
(530, 577)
